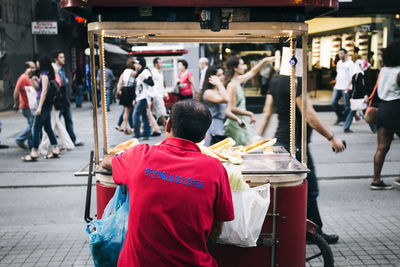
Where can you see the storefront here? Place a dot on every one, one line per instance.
(363, 28)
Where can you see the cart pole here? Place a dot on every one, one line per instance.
(94, 98)
(103, 94)
(293, 101)
(304, 38)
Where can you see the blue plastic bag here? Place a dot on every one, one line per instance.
(107, 235)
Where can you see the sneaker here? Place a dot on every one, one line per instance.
(155, 134)
(380, 186)
(22, 145)
(79, 143)
(145, 138)
(330, 239)
(397, 181)
(348, 131)
(3, 146)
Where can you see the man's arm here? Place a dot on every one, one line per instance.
(16, 97)
(216, 230)
(266, 115)
(107, 162)
(315, 123)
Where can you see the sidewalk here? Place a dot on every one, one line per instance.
(42, 203)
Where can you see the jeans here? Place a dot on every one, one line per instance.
(336, 96)
(66, 113)
(108, 97)
(312, 187)
(43, 120)
(79, 96)
(27, 133)
(141, 111)
(130, 118)
(348, 113)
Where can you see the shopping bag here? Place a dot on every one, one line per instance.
(177, 89)
(107, 235)
(31, 94)
(250, 207)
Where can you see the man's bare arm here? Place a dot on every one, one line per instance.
(216, 230)
(107, 162)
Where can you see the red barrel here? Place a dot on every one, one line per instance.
(103, 194)
(291, 234)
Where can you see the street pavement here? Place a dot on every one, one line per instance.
(42, 203)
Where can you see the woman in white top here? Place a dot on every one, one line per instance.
(126, 95)
(387, 117)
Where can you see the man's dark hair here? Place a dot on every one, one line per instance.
(391, 54)
(184, 63)
(141, 61)
(344, 50)
(55, 54)
(155, 61)
(190, 120)
(26, 65)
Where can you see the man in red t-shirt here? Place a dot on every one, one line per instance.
(25, 100)
(178, 197)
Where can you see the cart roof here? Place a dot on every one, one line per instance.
(308, 8)
(333, 4)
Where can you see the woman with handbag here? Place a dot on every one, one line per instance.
(358, 93)
(387, 121)
(43, 113)
(126, 94)
(187, 88)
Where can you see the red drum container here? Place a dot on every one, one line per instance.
(290, 250)
(105, 189)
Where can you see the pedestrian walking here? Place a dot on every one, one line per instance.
(42, 114)
(79, 81)
(25, 98)
(158, 93)
(215, 97)
(344, 70)
(187, 88)
(235, 76)
(110, 78)
(66, 112)
(387, 117)
(57, 125)
(203, 66)
(144, 80)
(279, 101)
(126, 92)
(358, 91)
(190, 210)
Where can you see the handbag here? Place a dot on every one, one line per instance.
(370, 113)
(177, 89)
(358, 104)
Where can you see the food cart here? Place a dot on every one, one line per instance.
(282, 239)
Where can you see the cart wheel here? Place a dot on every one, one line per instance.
(319, 251)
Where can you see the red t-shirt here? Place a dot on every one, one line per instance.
(175, 193)
(185, 85)
(22, 82)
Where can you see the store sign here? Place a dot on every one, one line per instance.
(44, 27)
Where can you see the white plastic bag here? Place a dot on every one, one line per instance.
(250, 208)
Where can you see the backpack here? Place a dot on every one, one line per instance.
(54, 95)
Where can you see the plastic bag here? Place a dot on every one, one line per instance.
(250, 207)
(107, 235)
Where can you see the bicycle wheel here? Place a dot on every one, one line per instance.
(319, 251)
